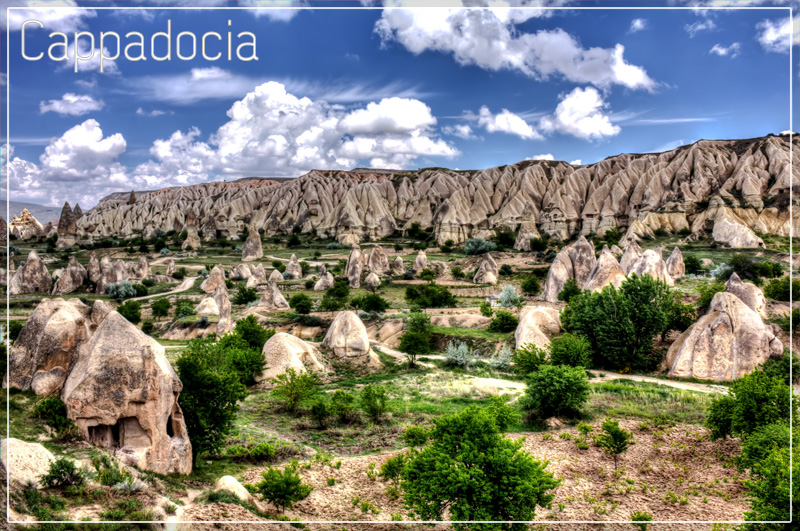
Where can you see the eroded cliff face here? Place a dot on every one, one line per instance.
(682, 188)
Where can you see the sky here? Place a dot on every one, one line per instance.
(470, 85)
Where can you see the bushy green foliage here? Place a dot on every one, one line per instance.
(505, 238)
(148, 326)
(531, 285)
(62, 473)
(613, 439)
(748, 268)
(259, 452)
(370, 302)
(416, 436)
(430, 296)
(571, 350)
(14, 328)
(457, 272)
(503, 321)
(707, 292)
(372, 400)
(161, 307)
(107, 472)
(253, 333)
(475, 246)
(692, 264)
(569, 290)
(486, 309)
(301, 303)
(497, 480)
(292, 388)
(779, 367)
(508, 297)
(131, 310)
(641, 516)
(392, 468)
(779, 290)
(416, 341)
(506, 270)
(245, 295)
(459, 354)
(754, 400)
(763, 441)
(528, 358)
(769, 487)
(149, 282)
(427, 274)
(53, 412)
(282, 488)
(320, 411)
(184, 308)
(121, 290)
(555, 390)
(538, 244)
(343, 406)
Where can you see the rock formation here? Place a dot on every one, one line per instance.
(724, 344)
(224, 325)
(275, 276)
(748, 293)
(3, 230)
(31, 277)
(487, 271)
(536, 326)
(192, 241)
(67, 227)
(651, 263)
(170, 267)
(142, 268)
(353, 268)
(605, 271)
(273, 299)
(112, 273)
(207, 307)
(71, 278)
(576, 261)
(93, 268)
(215, 279)
(675, 267)
(421, 261)
(258, 273)
(730, 230)
(631, 255)
(241, 272)
(25, 463)
(378, 263)
(284, 351)
(293, 269)
(123, 394)
(252, 248)
(232, 485)
(347, 338)
(527, 232)
(25, 226)
(372, 282)
(324, 282)
(397, 266)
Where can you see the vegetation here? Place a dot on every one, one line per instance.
(282, 488)
(161, 307)
(62, 473)
(531, 285)
(503, 321)
(301, 303)
(569, 349)
(292, 388)
(528, 358)
(131, 310)
(569, 290)
(372, 400)
(430, 296)
(555, 390)
(614, 440)
(779, 289)
(416, 341)
(475, 246)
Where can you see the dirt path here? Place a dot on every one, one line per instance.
(183, 286)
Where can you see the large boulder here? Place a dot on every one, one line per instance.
(378, 263)
(651, 263)
(284, 351)
(170, 267)
(631, 255)
(421, 261)
(726, 343)
(574, 261)
(272, 298)
(536, 326)
(207, 307)
(372, 282)
(93, 268)
(582, 255)
(232, 485)
(112, 273)
(257, 272)
(605, 271)
(324, 282)
(241, 272)
(397, 266)
(275, 276)
(123, 394)
(47, 344)
(347, 338)
(252, 248)
(31, 277)
(142, 268)
(354, 267)
(192, 241)
(224, 325)
(527, 232)
(215, 279)
(71, 278)
(487, 271)
(25, 463)
(731, 231)
(293, 269)
(675, 267)
(750, 294)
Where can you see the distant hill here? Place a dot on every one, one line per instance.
(42, 213)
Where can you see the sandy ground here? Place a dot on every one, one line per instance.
(186, 285)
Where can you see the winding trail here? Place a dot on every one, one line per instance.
(183, 286)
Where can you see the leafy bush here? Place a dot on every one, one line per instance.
(372, 302)
(245, 295)
(571, 350)
(555, 390)
(14, 328)
(161, 307)
(707, 292)
(184, 308)
(253, 333)
(770, 487)
(301, 303)
(372, 400)
(502, 359)
(642, 516)
(503, 321)
(282, 488)
(528, 358)
(457, 272)
(416, 436)
(416, 341)
(427, 274)
(320, 412)
(779, 290)
(293, 241)
(392, 468)
(508, 297)
(54, 413)
(505, 238)
(506, 270)
(430, 296)
(342, 406)
(107, 472)
(531, 285)
(131, 310)
(763, 441)
(692, 265)
(501, 482)
(779, 367)
(614, 440)
(538, 244)
(62, 473)
(121, 290)
(148, 326)
(569, 290)
(458, 354)
(292, 388)
(475, 246)
(486, 309)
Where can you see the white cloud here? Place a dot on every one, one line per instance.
(72, 105)
(152, 113)
(489, 39)
(284, 13)
(505, 122)
(701, 25)
(180, 160)
(638, 24)
(580, 114)
(730, 51)
(576, 162)
(391, 115)
(543, 156)
(777, 36)
(55, 15)
(460, 130)
(90, 65)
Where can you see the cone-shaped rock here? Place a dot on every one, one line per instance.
(252, 248)
(215, 278)
(293, 269)
(31, 277)
(224, 325)
(748, 293)
(347, 338)
(354, 267)
(71, 278)
(284, 351)
(675, 266)
(273, 299)
(487, 271)
(605, 271)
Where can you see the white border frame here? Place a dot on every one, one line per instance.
(790, 10)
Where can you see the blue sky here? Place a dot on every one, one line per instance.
(405, 87)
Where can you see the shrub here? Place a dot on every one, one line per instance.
(282, 488)
(475, 246)
(245, 295)
(556, 390)
(392, 468)
(309, 283)
(141, 290)
(253, 333)
(486, 309)
(692, 264)
(372, 302)
(416, 436)
(293, 241)
(292, 388)
(538, 244)
(148, 327)
(184, 308)
(501, 360)
(416, 341)
(330, 304)
(707, 292)
(320, 412)
(161, 307)
(458, 354)
(457, 272)
(770, 486)
(430, 296)
(14, 328)
(763, 441)
(531, 285)
(301, 303)
(642, 516)
(508, 297)
(569, 290)
(505, 238)
(528, 358)
(372, 400)
(342, 406)
(131, 310)
(571, 350)
(506, 270)
(779, 367)
(779, 290)
(107, 472)
(614, 440)
(427, 274)
(62, 473)
(500, 481)
(503, 321)
(121, 290)
(179, 274)
(54, 413)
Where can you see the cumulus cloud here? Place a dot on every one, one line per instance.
(153, 112)
(699, 26)
(460, 130)
(284, 13)
(90, 65)
(72, 105)
(55, 15)
(489, 39)
(576, 162)
(391, 115)
(543, 156)
(505, 122)
(580, 114)
(180, 159)
(638, 24)
(778, 35)
(723, 51)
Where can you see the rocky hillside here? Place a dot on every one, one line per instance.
(736, 185)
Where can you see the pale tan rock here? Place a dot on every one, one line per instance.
(575, 261)
(324, 282)
(215, 279)
(397, 266)
(372, 282)
(616, 251)
(123, 395)
(241, 272)
(207, 307)
(112, 273)
(354, 268)
(31, 277)
(631, 255)
(170, 267)
(675, 267)
(731, 231)
(284, 351)
(252, 282)
(606, 271)
(527, 232)
(487, 271)
(707, 262)
(25, 226)
(192, 241)
(421, 261)
(24, 462)
(252, 248)
(232, 485)
(293, 269)
(651, 263)
(100, 309)
(726, 343)
(93, 268)
(224, 325)
(49, 340)
(378, 263)
(583, 260)
(258, 273)
(347, 338)
(142, 268)
(71, 278)
(272, 298)
(275, 276)
(537, 325)
(748, 293)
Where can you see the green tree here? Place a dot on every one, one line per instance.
(301, 303)
(474, 473)
(416, 341)
(161, 307)
(210, 396)
(692, 264)
(282, 488)
(321, 412)
(707, 292)
(372, 400)
(253, 333)
(292, 388)
(503, 321)
(245, 295)
(486, 309)
(430, 296)
(531, 285)
(131, 310)
(779, 289)
(555, 390)
(571, 350)
(569, 290)
(758, 445)
(528, 358)
(614, 440)
(769, 487)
